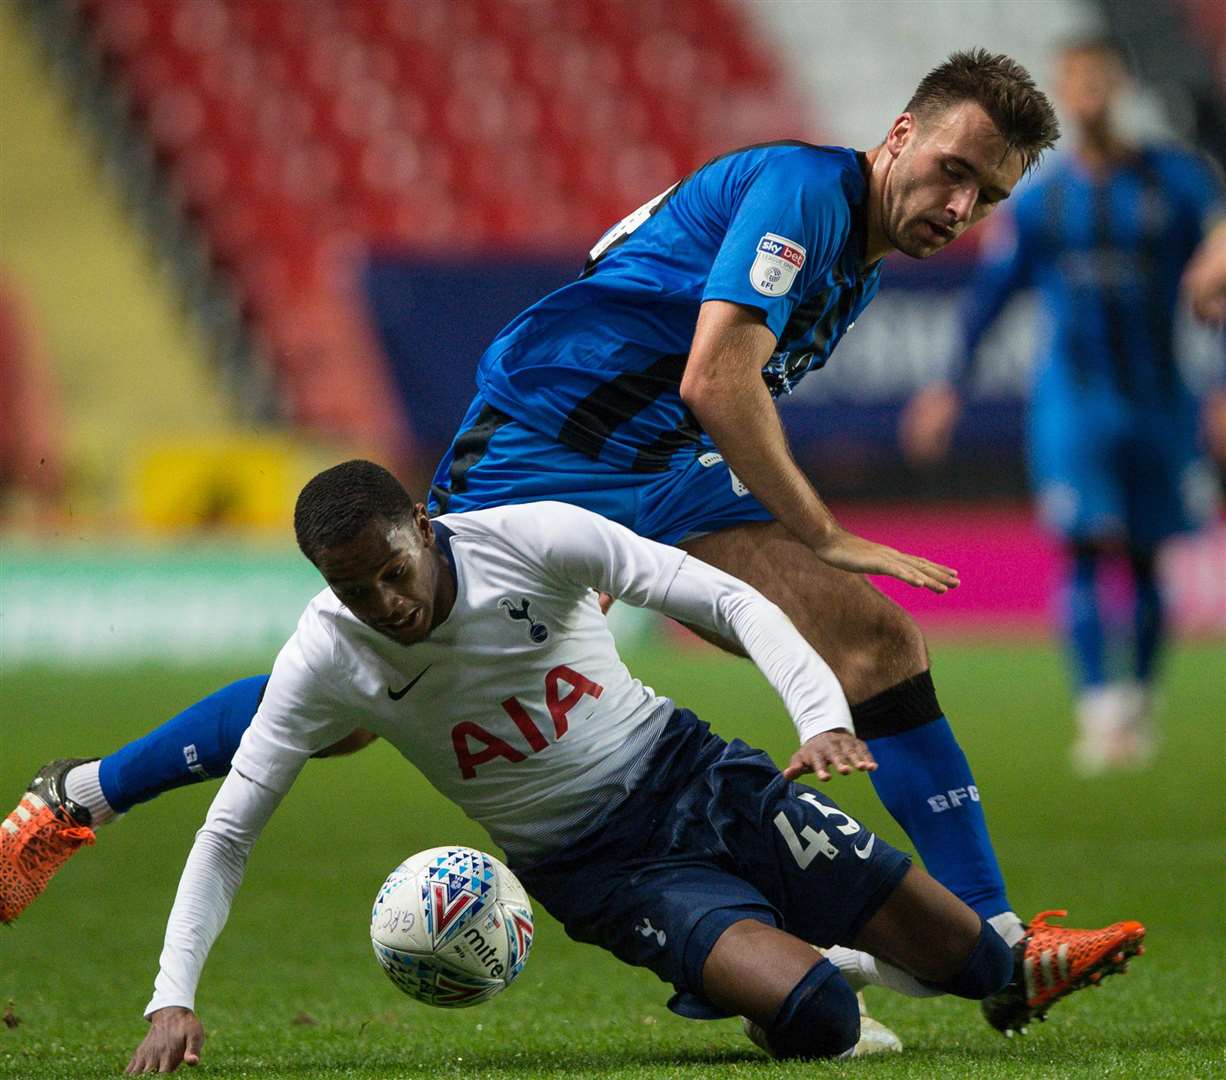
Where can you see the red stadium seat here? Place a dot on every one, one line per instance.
(301, 133)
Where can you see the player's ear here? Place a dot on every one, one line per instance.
(421, 521)
(900, 133)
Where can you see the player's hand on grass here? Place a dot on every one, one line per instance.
(175, 1036)
(838, 750)
(846, 551)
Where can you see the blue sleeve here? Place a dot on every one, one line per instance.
(1006, 265)
(788, 225)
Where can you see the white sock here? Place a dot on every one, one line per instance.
(81, 786)
(861, 970)
(1008, 926)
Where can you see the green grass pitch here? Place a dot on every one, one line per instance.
(293, 990)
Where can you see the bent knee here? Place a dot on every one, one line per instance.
(819, 1021)
(884, 651)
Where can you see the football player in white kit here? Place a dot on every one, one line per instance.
(475, 644)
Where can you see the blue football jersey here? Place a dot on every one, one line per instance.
(1106, 254)
(597, 364)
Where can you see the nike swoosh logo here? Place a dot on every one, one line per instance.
(867, 850)
(396, 695)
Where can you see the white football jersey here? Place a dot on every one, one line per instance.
(517, 706)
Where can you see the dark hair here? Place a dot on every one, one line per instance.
(338, 503)
(1003, 89)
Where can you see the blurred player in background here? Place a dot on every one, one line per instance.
(645, 392)
(1105, 237)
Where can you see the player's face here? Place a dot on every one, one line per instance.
(948, 173)
(1088, 82)
(393, 577)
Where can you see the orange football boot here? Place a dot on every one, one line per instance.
(39, 836)
(1050, 962)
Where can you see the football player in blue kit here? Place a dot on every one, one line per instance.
(1105, 237)
(644, 391)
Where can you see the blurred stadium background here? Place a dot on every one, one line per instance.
(240, 239)
(243, 239)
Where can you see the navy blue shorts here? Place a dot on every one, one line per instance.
(497, 461)
(713, 835)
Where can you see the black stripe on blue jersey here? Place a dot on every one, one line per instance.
(1107, 254)
(470, 447)
(806, 313)
(622, 398)
(655, 456)
(1150, 246)
(823, 318)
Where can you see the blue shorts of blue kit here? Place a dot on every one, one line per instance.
(711, 836)
(496, 460)
(1108, 470)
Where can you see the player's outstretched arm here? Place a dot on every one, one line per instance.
(175, 1038)
(210, 879)
(724, 389)
(703, 596)
(591, 552)
(847, 551)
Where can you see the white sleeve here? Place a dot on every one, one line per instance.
(589, 550)
(210, 879)
(703, 596)
(297, 717)
(301, 711)
(585, 550)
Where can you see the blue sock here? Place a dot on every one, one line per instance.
(1083, 619)
(1149, 622)
(197, 744)
(923, 779)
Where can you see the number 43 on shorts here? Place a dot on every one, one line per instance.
(811, 842)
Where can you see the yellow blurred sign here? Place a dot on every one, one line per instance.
(231, 482)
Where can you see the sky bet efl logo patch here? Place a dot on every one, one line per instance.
(774, 268)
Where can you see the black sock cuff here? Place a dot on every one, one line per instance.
(906, 705)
